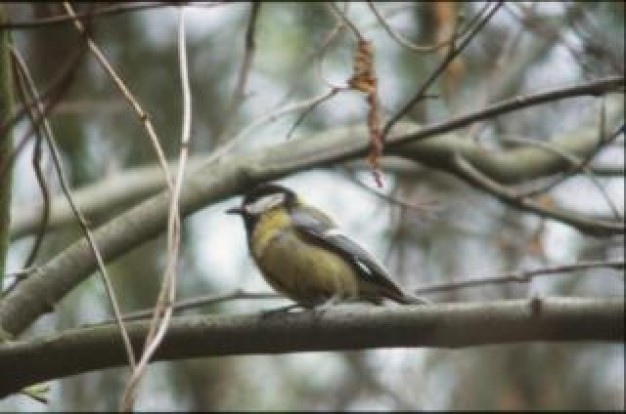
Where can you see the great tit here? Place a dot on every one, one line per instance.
(302, 254)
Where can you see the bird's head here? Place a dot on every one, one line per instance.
(262, 199)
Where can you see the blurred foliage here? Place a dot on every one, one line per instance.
(527, 47)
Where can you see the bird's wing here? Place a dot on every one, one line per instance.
(320, 229)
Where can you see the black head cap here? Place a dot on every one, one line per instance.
(264, 190)
(261, 199)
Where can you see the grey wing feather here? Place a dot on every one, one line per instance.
(318, 227)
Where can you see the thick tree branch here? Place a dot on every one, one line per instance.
(208, 184)
(103, 198)
(342, 328)
(218, 180)
(513, 166)
(506, 167)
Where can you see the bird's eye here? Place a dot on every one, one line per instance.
(265, 203)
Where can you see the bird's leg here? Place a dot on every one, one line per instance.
(327, 304)
(332, 301)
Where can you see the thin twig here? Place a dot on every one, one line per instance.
(141, 114)
(244, 72)
(202, 301)
(314, 104)
(315, 56)
(593, 88)
(52, 94)
(577, 166)
(439, 70)
(586, 225)
(250, 51)
(501, 69)
(429, 206)
(608, 170)
(308, 104)
(167, 297)
(341, 15)
(18, 64)
(522, 276)
(45, 195)
(543, 28)
(263, 119)
(319, 55)
(56, 159)
(101, 12)
(59, 82)
(412, 46)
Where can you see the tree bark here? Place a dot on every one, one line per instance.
(356, 326)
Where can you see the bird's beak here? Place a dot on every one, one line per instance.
(234, 210)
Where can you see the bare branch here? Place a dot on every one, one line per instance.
(341, 15)
(340, 328)
(101, 12)
(141, 182)
(585, 224)
(314, 103)
(51, 95)
(577, 166)
(56, 159)
(227, 176)
(593, 88)
(521, 276)
(125, 91)
(200, 301)
(244, 72)
(19, 65)
(454, 52)
(163, 309)
(419, 48)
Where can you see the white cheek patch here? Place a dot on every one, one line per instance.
(264, 204)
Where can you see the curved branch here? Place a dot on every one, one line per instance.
(513, 166)
(450, 56)
(354, 326)
(506, 167)
(519, 276)
(102, 12)
(585, 224)
(214, 182)
(101, 199)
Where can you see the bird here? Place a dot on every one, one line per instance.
(303, 255)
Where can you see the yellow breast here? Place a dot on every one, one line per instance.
(305, 272)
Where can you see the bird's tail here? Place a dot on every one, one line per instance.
(407, 299)
(412, 300)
